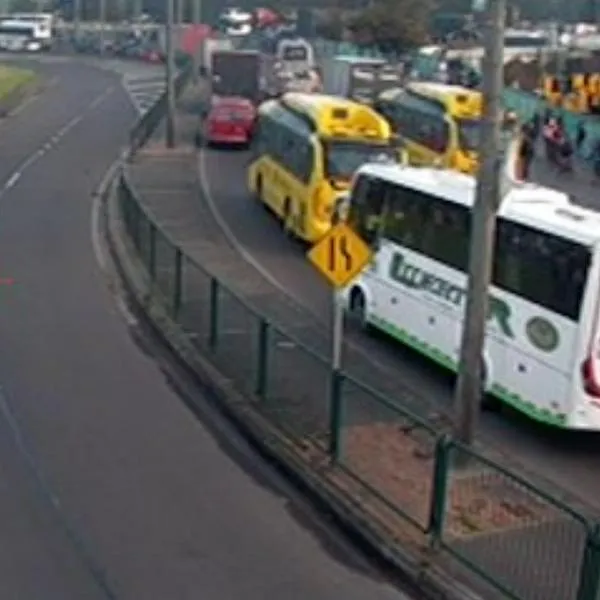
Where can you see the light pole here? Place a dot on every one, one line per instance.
(197, 20)
(467, 400)
(102, 19)
(76, 18)
(169, 73)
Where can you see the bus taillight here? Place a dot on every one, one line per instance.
(591, 380)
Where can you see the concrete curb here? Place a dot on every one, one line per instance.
(413, 568)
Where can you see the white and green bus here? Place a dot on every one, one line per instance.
(542, 350)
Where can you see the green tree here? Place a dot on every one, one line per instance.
(393, 25)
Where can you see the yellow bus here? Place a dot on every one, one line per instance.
(306, 148)
(438, 123)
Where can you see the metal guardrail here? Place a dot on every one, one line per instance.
(518, 540)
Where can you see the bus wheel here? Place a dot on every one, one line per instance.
(358, 308)
(258, 193)
(286, 221)
(489, 403)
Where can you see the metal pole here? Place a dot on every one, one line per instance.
(169, 73)
(197, 20)
(471, 367)
(138, 9)
(76, 19)
(337, 337)
(197, 12)
(102, 19)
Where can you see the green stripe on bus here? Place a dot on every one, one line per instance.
(446, 361)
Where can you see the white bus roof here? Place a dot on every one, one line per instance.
(528, 204)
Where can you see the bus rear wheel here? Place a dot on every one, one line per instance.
(489, 403)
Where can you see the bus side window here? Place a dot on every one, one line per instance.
(366, 205)
(404, 219)
(303, 158)
(542, 268)
(446, 233)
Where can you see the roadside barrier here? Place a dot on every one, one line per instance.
(480, 520)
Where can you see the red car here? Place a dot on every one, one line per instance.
(230, 120)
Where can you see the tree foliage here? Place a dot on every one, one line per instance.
(396, 25)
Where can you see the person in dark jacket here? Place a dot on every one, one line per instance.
(526, 151)
(580, 136)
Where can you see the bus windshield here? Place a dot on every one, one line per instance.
(17, 30)
(343, 158)
(469, 132)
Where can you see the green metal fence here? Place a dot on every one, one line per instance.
(478, 520)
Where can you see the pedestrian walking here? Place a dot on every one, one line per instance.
(526, 153)
(551, 134)
(580, 136)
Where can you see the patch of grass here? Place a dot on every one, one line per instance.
(11, 79)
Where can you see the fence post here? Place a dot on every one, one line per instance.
(589, 579)
(152, 251)
(437, 509)
(263, 358)
(214, 314)
(135, 213)
(124, 205)
(336, 415)
(177, 284)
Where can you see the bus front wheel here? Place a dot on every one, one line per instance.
(258, 189)
(358, 308)
(287, 218)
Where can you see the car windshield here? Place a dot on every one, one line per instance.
(469, 132)
(342, 159)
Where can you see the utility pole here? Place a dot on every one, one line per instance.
(197, 20)
(197, 12)
(102, 18)
(76, 19)
(169, 73)
(138, 9)
(471, 374)
(180, 12)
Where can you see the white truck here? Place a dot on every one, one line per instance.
(358, 78)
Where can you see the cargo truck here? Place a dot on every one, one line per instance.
(236, 73)
(359, 79)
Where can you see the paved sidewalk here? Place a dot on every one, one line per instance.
(581, 184)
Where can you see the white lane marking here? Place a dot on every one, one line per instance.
(256, 264)
(13, 180)
(54, 139)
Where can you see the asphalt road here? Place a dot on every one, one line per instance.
(570, 460)
(109, 487)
